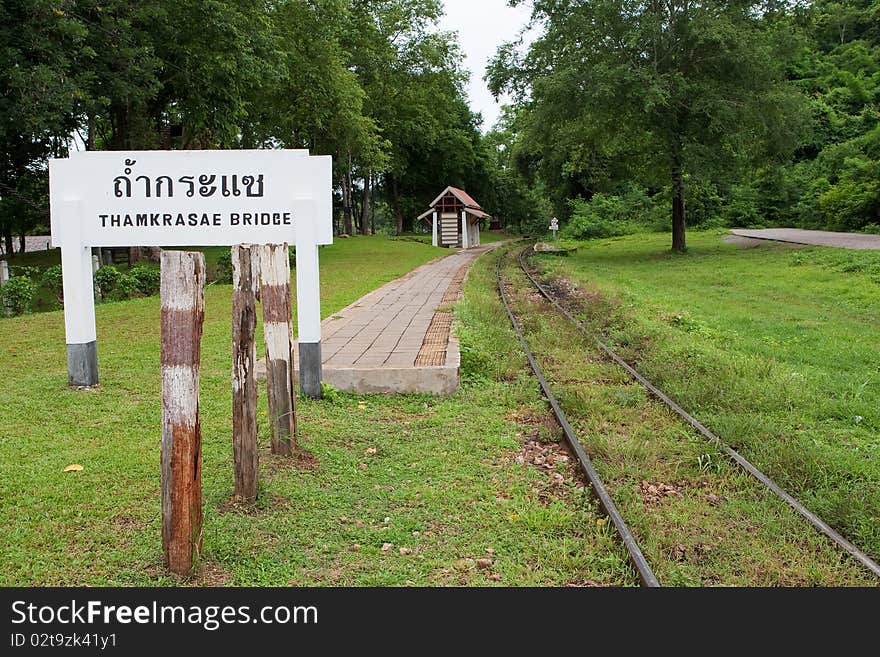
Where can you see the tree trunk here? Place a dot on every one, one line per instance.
(90, 139)
(365, 209)
(678, 206)
(119, 127)
(22, 243)
(395, 205)
(346, 203)
(7, 239)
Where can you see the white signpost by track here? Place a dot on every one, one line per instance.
(189, 198)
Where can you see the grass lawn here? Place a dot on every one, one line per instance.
(775, 348)
(445, 491)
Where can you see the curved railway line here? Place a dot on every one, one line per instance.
(638, 560)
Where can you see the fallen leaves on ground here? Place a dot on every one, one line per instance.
(655, 493)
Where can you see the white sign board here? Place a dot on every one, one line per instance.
(187, 198)
(193, 198)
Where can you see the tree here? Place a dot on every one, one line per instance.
(414, 92)
(40, 84)
(637, 88)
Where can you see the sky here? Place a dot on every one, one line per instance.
(482, 26)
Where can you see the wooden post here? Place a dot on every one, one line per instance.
(275, 296)
(244, 383)
(183, 311)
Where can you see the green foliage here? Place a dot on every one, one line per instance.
(331, 394)
(52, 280)
(147, 279)
(223, 274)
(606, 215)
(16, 294)
(127, 286)
(662, 94)
(357, 79)
(107, 278)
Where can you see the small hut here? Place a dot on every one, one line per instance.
(455, 219)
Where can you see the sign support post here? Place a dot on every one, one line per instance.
(308, 306)
(79, 300)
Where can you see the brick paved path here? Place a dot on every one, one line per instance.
(387, 327)
(398, 338)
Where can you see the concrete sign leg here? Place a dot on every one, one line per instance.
(308, 310)
(79, 316)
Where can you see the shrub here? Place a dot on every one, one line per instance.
(147, 279)
(607, 215)
(742, 209)
(223, 273)
(53, 281)
(106, 278)
(17, 294)
(126, 287)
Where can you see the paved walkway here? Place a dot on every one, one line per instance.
(398, 338)
(813, 237)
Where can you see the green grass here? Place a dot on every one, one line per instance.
(698, 519)
(722, 329)
(444, 481)
(775, 348)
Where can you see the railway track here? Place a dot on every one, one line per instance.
(636, 557)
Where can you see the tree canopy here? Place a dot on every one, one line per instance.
(663, 113)
(374, 83)
(726, 112)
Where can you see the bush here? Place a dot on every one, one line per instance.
(53, 281)
(126, 287)
(147, 279)
(223, 273)
(106, 278)
(17, 294)
(607, 215)
(742, 209)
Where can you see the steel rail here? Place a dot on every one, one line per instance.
(738, 458)
(646, 575)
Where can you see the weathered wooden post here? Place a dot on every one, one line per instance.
(244, 383)
(183, 311)
(275, 297)
(4, 272)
